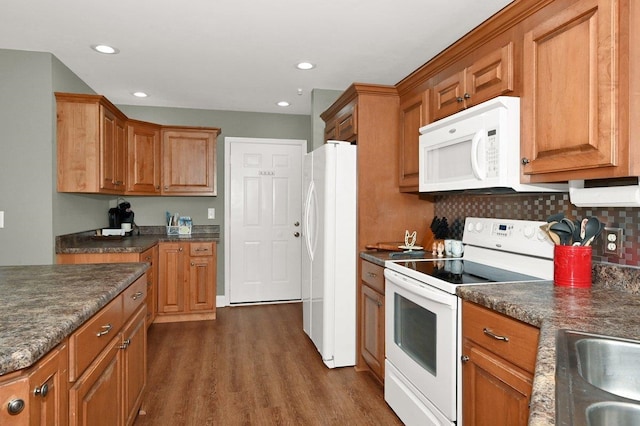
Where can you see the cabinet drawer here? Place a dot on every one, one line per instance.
(479, 323)
(373, 275)
(201, 249)
(87, 342)
(134, 296)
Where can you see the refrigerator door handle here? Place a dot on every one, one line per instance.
(310, 203)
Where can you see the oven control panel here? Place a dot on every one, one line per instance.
(516, 236)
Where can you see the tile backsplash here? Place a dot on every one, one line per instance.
(456, 207)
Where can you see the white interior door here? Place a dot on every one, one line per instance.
(264, 199)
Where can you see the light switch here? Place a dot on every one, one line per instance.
(1, 219)
(211, 213)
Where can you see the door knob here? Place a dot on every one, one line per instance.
(296, 234)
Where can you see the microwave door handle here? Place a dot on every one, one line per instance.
(475, 153)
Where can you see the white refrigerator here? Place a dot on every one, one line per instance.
(329, 258)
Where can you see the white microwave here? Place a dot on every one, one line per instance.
(476, 149)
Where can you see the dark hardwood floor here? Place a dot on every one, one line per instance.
(252, 366)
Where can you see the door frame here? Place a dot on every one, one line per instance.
(227, 198)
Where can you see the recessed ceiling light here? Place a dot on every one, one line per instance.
(140, 94)
(283, 104)
(103, 48)
(305, 66)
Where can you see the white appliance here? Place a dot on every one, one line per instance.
(476, 149)
(329, 259)
(423, 378)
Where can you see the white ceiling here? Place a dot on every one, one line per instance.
(238, 55)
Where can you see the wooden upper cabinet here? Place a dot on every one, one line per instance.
(570, 93)
(343, 126)
(91, 145)
(189, 160)
(414, 113)
(487, 76)
(144, 158)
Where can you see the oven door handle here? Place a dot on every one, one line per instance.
(415, 287)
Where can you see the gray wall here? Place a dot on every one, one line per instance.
(26, 168)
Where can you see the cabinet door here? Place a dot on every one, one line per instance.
(171, 278)
(143, 148)
(448, 95)
(96, 398)
(48, 399)
(14, 397)
(202, 291)
(489, 76)
(112, 152)
(570, 90)
(134, 364)
(494, 391)
(414, 113)
(372, 329)
(151, 256)
(348, 125)
(188, 162)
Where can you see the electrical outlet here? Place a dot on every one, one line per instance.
(1, 219)
(613, 241)
(211, 213)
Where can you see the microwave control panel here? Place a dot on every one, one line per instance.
(492, 154)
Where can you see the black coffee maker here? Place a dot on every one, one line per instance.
(121, 214)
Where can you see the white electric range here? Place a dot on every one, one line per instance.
(423, 315)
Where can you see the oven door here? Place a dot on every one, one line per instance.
(421, 339)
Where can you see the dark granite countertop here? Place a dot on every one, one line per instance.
(44, 304)
(610, 307)
(87, 242)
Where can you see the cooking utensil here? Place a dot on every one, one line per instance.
(555, 217)
(592, 229)
(572, 228)
(564, 232)
(552, 235)
(385, 246)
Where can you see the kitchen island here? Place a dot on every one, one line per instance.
(72, 341)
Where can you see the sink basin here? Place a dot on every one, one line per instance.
(613, 413)
(597, 380)
(611, 365)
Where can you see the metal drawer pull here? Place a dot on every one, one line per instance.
(495, 336)
(372, 274)
(137, 295)
(105, 330)
(202, 249)
(42, 390)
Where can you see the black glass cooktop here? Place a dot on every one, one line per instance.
(459, 271)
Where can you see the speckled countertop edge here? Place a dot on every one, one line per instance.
(44, 304)
(86, 242)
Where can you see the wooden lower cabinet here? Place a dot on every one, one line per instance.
(372, 318)
(109, 391)
(186, 281)
(41, 391)
(497, 375)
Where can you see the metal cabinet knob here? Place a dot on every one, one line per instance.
(525, 161)
(296, 234)
(42, 390)
(464, 358)
(467, 96)
(180, 249)
(125, 344)
(459, 99)
(15, 406)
